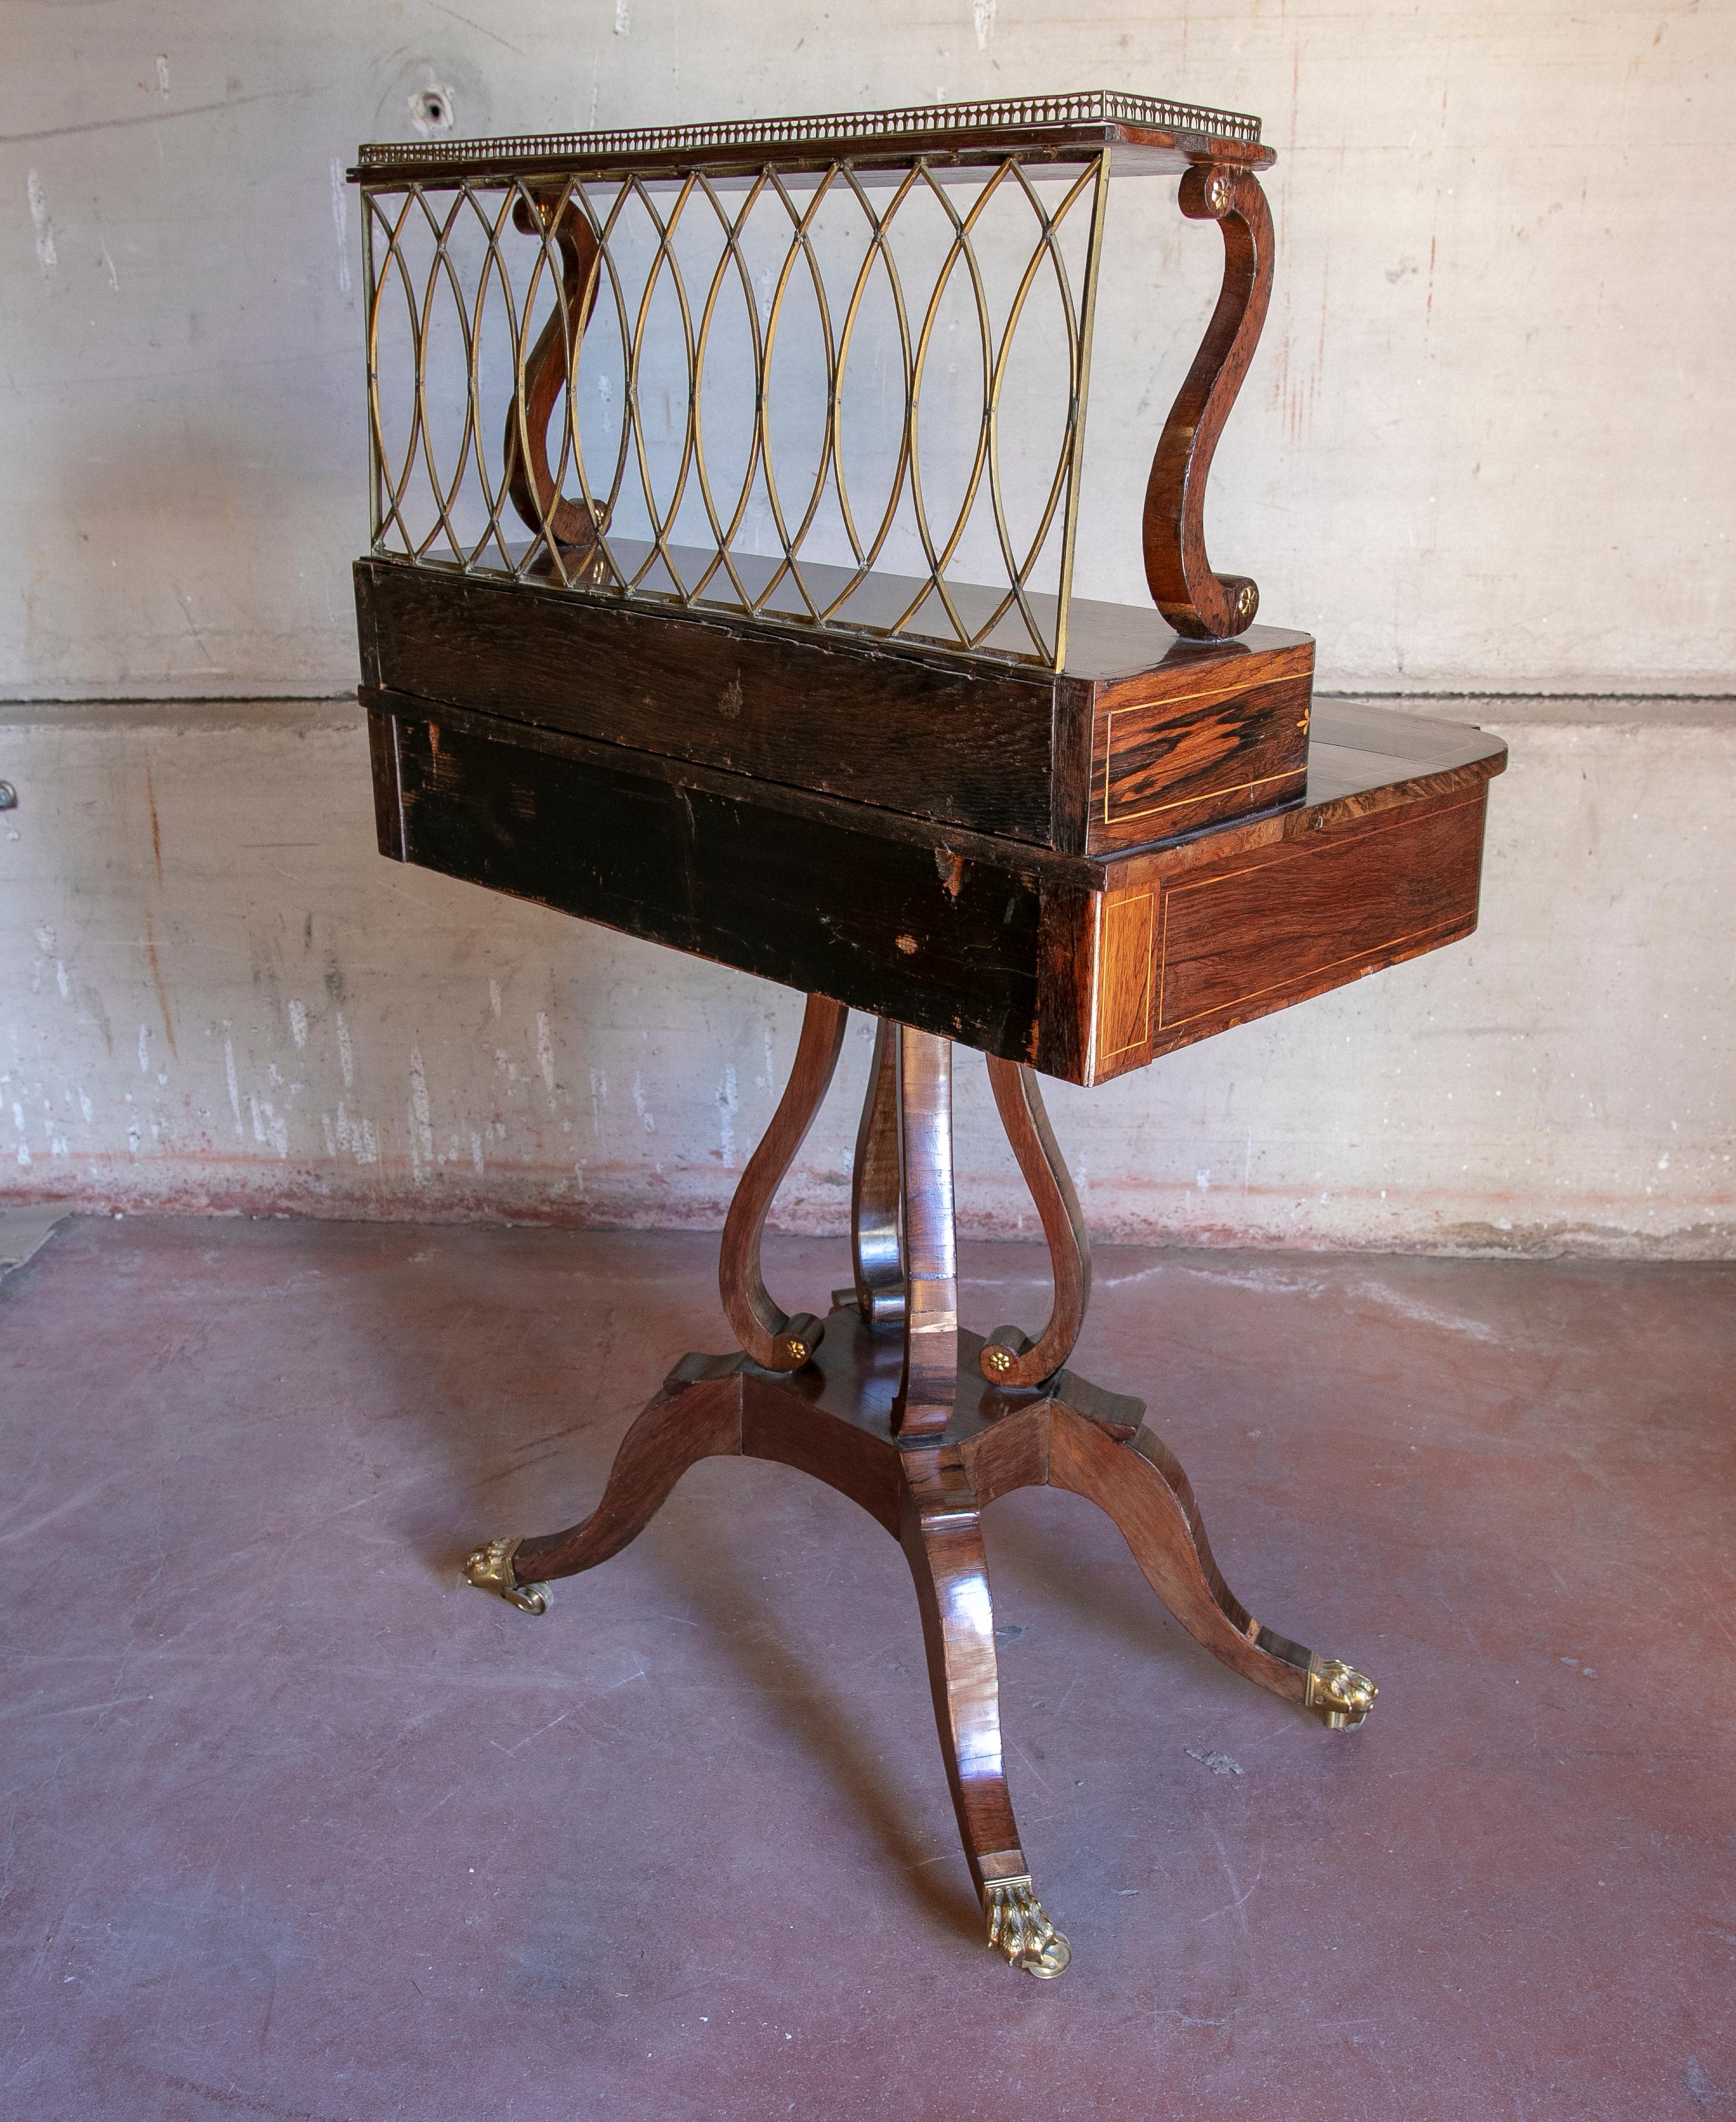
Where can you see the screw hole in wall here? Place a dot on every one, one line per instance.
(431, 111)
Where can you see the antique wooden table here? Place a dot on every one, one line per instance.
(1072, 834)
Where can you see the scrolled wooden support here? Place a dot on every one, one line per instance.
(1197, 603)
(771, 1337)
(531, 485)
(1008, 1357)
(876, 1242)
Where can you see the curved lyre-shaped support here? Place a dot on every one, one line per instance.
(876, 1240)
(1203, 606)
(929, 1387)
(772, 1339)
(531, 484)
(1008, 1358)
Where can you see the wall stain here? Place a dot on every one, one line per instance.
(156, 972)
(157, 838)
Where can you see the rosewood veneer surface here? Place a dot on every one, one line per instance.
(1143, 735)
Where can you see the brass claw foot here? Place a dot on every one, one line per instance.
(490, 1569)
(1339, 1695)
(1018, 1928)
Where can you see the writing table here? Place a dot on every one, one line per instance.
(704, 709)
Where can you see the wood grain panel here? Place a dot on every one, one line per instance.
(950, 945)
(1160, 755)
(1028, 954)
(967, 741)
(1194, 753)
(958, 744)
(1259, 930)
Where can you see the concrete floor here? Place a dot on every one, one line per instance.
(298, 1826)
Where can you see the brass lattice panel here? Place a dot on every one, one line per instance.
(830, 370)
(702, 411)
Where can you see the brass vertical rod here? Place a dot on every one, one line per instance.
(366, 203)
(1018, 573)
(395, 491)
(800, 244)
(722, 535)
(441, 265)
(493, 267)
(803, 239)
(1081, 390)
(878, 245)
(605, 515)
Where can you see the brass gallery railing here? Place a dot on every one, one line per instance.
(831, 372)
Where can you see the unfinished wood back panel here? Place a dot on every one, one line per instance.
(826, 903)
(961, 744)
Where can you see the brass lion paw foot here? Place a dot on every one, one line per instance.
(490, 1569)
(1018, 1928)
(1339, 1695)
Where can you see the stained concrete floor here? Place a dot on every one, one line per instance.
(298, 1826)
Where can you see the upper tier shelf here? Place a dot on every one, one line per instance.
(861, 341)
(1142, 134)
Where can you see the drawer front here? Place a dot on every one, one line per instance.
(1198, 757)
(1184, 957)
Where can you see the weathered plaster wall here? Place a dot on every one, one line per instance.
(1485, 444)
(222, 996)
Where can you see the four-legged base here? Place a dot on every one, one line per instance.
(837, 1418)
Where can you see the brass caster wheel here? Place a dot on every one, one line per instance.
(490, 1569)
